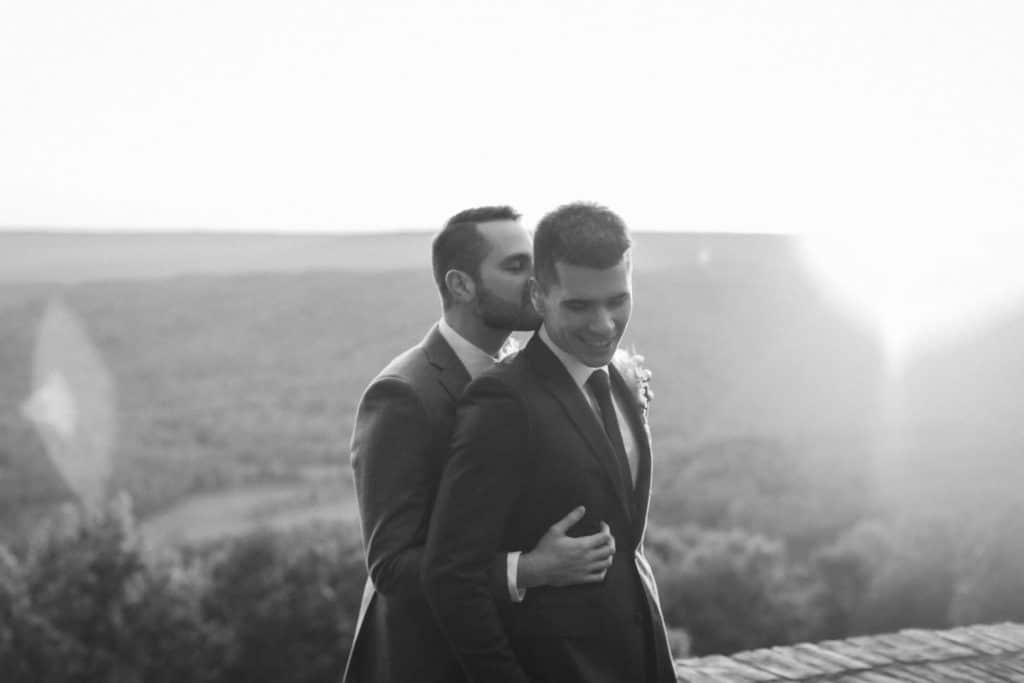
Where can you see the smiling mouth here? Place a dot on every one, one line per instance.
(602, 345)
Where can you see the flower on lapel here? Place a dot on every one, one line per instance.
(638, 378)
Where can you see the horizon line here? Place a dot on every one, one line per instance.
(107, 231)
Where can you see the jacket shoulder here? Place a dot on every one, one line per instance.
(411, 366)
(412, 374)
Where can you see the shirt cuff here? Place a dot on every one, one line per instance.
(515, 594)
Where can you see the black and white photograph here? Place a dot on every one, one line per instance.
(549, 342)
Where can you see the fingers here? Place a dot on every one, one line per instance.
(598, 558)
(602, 537)
(605, 529)
(565, 523)
(593, 571)
(604, 549)
(602, 557)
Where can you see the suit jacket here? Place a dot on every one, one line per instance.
(400, 443)
(527, 449)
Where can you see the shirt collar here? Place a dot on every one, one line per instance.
(579, 371)
(472, 357)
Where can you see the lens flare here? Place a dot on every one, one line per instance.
(918, 289)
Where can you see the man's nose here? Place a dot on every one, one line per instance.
(602, 322)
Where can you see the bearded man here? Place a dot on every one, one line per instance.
(482, 261)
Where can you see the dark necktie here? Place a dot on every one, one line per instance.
(598, 383)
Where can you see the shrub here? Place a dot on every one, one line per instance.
(732, 590)
(119, 616)
(889, 575)
(90, 602)
(991, 584)
(292, 612)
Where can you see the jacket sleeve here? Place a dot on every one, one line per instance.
(394, 479)
(478, 490)
(396, 474)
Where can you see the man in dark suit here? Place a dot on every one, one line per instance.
(482, 263)
(555, 425)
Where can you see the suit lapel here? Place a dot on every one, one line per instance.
(452, 374)
(556, 379)
(642, 492)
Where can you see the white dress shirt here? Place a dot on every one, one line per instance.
(472, 357)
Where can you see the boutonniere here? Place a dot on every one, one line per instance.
(638, 378)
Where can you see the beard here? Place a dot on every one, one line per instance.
(501, 314)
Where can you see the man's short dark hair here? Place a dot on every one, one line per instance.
(460, 246)
(580, 234)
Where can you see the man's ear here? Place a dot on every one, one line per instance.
(537, 296)
(461, 286)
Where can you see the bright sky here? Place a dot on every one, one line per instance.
(775, 116)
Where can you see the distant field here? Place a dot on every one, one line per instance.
(72, 258)
(221, 382)
(233, 512)
(64, 257)
(230, 380)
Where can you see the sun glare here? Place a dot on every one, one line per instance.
(917, 289)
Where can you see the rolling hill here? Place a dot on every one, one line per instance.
(238, 361)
